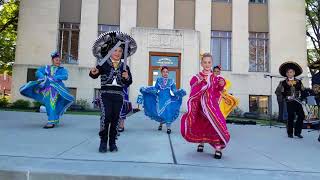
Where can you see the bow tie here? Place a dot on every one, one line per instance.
(115, 64)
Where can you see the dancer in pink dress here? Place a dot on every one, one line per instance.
(204, 122)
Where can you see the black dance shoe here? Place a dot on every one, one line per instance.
(290, 136)
(49, 126)
(168, 131)
(160, 128)
(217, 155)
(299, 136)
(113, 147)
(103, 147)
(120, 129)
(200, 148)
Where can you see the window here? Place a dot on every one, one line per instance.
(258, 52)
(228, 1)
(258, 1)
(70, 11)
(147, 13)
(259, 104)
(106, 28)
(73, 92)
(221, 49)
(109, 12)
(69, 42)
(184, 14)
(31, 74)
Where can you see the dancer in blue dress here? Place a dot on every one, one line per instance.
(163, 101)
(125, 110)
(50, 90)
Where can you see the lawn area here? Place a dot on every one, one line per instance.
(235, 120)
(94, 113)
(258, 121)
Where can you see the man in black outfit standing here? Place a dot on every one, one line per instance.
(291, 89)
(115, 75)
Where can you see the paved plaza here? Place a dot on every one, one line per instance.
(70, 152)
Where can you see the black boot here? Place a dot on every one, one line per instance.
(299, 136)
(103, 141)
(103, 147)
(49, 126)
(113, 147)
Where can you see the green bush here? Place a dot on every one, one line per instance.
(237, 112)
(84, 103)
(4, 102)
(21, 104)
(36, 104)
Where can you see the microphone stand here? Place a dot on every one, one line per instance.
(270, 102)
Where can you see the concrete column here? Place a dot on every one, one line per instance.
(88, 32)
(203, 23)
(287, 33)
(240, 37)
(128, 15)
(35, 41)
(166, 14)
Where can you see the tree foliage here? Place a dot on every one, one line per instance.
(9, 12)
(313, 33)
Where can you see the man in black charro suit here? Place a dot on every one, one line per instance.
(291, 89)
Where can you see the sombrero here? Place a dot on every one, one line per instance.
(290, 65)
(106, 41)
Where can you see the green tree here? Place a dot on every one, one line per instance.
(313, 33)
(9, 12)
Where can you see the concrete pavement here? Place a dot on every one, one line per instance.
(70, 151)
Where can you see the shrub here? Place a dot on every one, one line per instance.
(84, 103)
(20, 103)
(237, 112)
(4, 102)
(36, 104)
(275, 116)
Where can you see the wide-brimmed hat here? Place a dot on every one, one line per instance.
(290, 65)
(106, 41)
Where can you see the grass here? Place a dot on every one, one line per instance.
(93, 113)
(96, 113)
(18, 110)
(263, 122)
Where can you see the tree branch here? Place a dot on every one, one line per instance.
(14, 19)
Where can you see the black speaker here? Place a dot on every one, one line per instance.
(314, 124)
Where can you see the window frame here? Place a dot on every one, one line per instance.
(228, 37)
(222, 1)
(70, 58)
(266, 53)
(31, 74)
(109, 26)
(268, 104)
(256, 2)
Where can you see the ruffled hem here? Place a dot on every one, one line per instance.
(31, 90)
